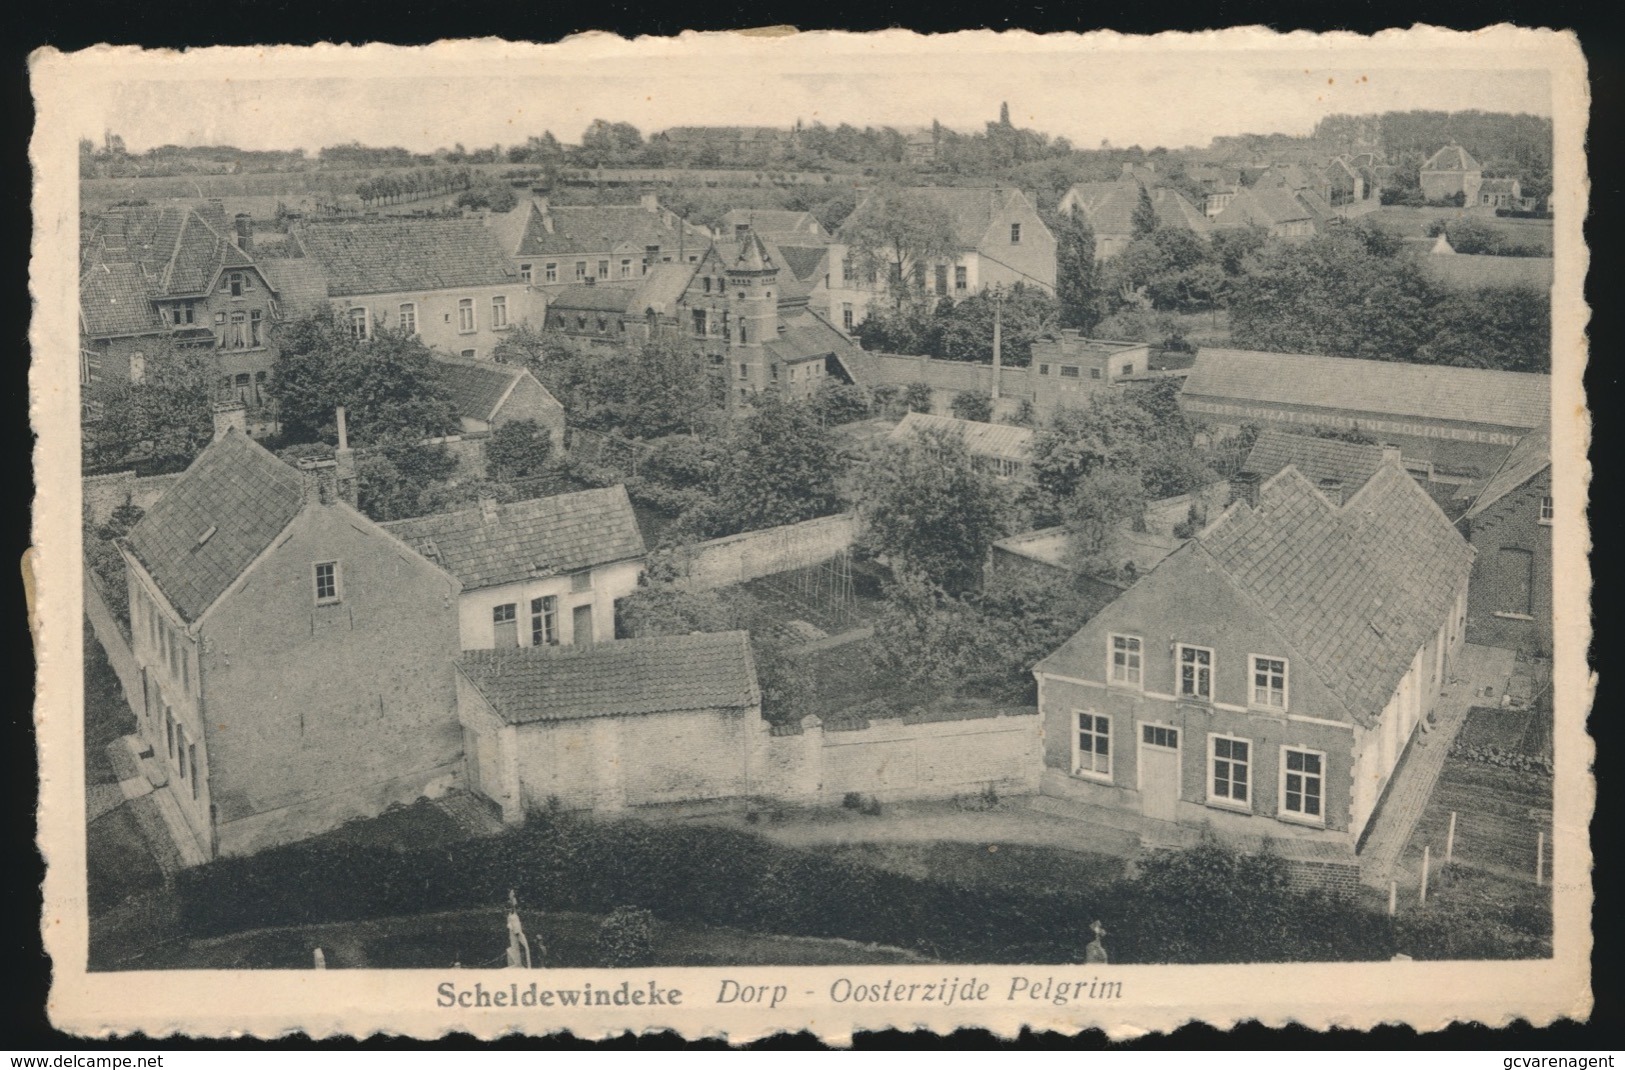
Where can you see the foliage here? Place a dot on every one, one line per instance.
(1172, 269)
(517, 449)
(1476, 237)
(780, 468)
(1143, 223)
(917, 397)
(929, 508)
(163, 421)
(489, 196)
(1077, 275)
(836, 402)
(1509, 328)
(389, 385)
(1094, 515)
(1026, 314)
(898, 232)
(107, 564)
(626, 937)
(972, 405)
(403, 480)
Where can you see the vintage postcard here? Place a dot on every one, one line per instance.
(753, 532)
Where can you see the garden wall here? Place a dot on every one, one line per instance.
(754, 554)
(114, 640)
(104, 493)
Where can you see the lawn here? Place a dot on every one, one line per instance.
(993, 865)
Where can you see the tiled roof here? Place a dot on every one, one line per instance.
(405, 254)
(114, 302)
(536, 537)
(1499, 185)
(777, 223)
(1461, 271)
(663, 287)
(668, 674)
(1391, 388)
(1264, 206)
(601, 228)
(238, 494)
(180, 252)
(805, 262)
(1356, 590)
(615, 298)
(1451, 158)
(1176, 212)
(972, 209)
(1003, 441)
(807, 335)
(1530, 457)
(1317, 458)
(890, 369)
(299, 284)
(475, 386)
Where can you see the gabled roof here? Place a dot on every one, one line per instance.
(176, 248)
(391, 256)
(1451, 158)
(1391, 388)
(973, 209)
(114, 302)
(668, 674)
(1318, 459)
(600, 228)
(1528, 459)
(1108, 206)
(609, 297)
(1176, 212)
(1003, 441)
(526, 539)
(477, 387)
(1500, 185)
(778, 223)
(805, 262)
(207, 528)
(1265, 206)
(663, 288)
(806, 336)
(1358, 589)
(300, 286)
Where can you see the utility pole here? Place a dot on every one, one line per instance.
(998, 337)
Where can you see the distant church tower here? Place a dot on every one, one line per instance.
(1004, 114)
(753, 280)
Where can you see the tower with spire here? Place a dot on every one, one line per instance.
(753, 282)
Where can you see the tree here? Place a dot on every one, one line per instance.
(972, 405)
(917, 396)
(1094, 515)
(1077, 276)
(841, 403)
(517, 449)
(1027, 314)
(900, 233)
(1144, 220)
(781, 468)
(1110, 432)
(1509, 328)
(164, 420)
(929, 509)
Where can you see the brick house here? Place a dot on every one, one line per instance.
(1449, 173)
(539, 572)
(1266, 677)
(632, 723)
(1335, 467)
(295, 657)
(1509, 523)
(445, 280)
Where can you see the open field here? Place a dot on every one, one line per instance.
(1413, 223)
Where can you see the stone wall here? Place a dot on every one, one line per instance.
(739, 558)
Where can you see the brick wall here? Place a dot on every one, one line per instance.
(115, 643)
(1509, 597)
(738, 558)
(1306, 875)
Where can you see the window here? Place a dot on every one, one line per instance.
(499, 312)
(191, 760)
(1231, 760)
(706, 284)
(256, 326)
(1043, 369)
(603, 325)
(603, 269)
(180, 750)
(465, 315)
(626, 267)
(259, 388)
(505, 625)
(581, 581)
(169, 731)
(1094, 373)
(1546, 510)
(1269, 682)
(1160, 736)
(961, 278)
(847, 274)
(359, 323)
(846, 315)
(1093, 757)
(1015, 233)
(237, 336)
(327, 582)
(581, 270)
(1128, 369)
(550, 273)
(241, 385)
(1069, 371)
(186, 668)
(84, 368)
(409, 318)
(744, 371)
(942, 278)
(524, 272)
(544, 621)
(699, 322)
(184, 314)
(469, 354)
(1195, 672)
(1302, 778)
(1126, 667)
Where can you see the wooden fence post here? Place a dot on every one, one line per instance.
(1427, 851)
(1450, 841)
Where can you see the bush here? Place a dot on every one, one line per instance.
(626, 937)
(917, 397)
(852, 800)
(972, 405)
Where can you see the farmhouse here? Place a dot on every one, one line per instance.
(1450, 173)
(295, 658)
(1267, 676)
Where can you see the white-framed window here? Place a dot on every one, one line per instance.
(360, 323)
(469, 354)
(409, 317)
(581, 270)
(191, 760)
(465, 315)
(1043, 369)
(1160, 735)
(626, 267)
(1268, 682)
(1126, 661)
(1230, 761)
(499, 312)
(1546, 510)
(1128, 369)
(256, 328)
(524, 272)
(327, 582)
(846, 315)
(961, 278)
(1069, 371)
(1195, 672)
(1092, 747)
(1303, 785)
(1094, 373)
(505, 625)
(237, 334)
(544, 621)
(169, 731)
(603, 269)
(550, 273)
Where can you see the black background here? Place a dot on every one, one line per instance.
(189, 23)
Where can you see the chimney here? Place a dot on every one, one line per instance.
(320, 481)
(228, 416)
(344, 476)
(243, 224)
(1392, 455)
(1244, 488)
(650, 201)
(488, 509)
(1333, 489)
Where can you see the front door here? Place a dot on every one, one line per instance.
(1159, 771)
(581, 625)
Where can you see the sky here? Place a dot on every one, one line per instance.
(1119, 89)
